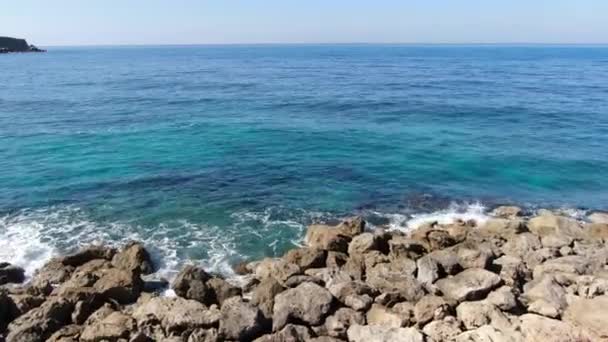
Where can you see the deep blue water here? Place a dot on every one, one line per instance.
(217, 153)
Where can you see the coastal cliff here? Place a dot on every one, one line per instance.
(8, 44)
(511, 278)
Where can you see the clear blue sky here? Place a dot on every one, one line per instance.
(92, 22)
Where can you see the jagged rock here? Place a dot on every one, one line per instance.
(306, 258)
(22, 303)
(85, 306)
(569, 264)
(134, 258)
(513, 271)
(11, 274)
(120, 285)
(221, 290)
(338, 323)
(549, 224)
(263, 295)
(336, 259)
(354, 294)
(101, 313)
(403, 247)
(190, 283)
(598, 217)
(545, 296)
(381, 315)
(474, 255)
(240, 320)
(53, 272)
(69, 333)
(521, 244)
(507, 212)
(87, 254)
(334, 238)
(378, 333)
(476, 314)
(503, 298)
(470, 284)
(406, 311)
(388, 281)
(500, 227)
(308, 303)
(40, 323)
(279, 269)
(591, 315)
(447, 259)
(539, 328)
(431, 308)
(202, 335)
(367, 242)
(298, 279)
(174, 314)
(112, 328)
(443, 330)
(290, 333)
(428, 270)
(352, 226)
(489, 333)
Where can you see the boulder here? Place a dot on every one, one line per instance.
(591, 315)
(220, 290)
(470, 284)
(574, 264)
(403, 247)
(545, 296)
(134, 258)
(512, 270)
(338, 323)
(431, 308)
(381, 315)
(507, 211)
(521, 244)
(474, 255)
(87, 254)
(309, 303)
(198, 335)
(290, 333)
(503, 298)
(174, 314)
(379, 333)
(327, 238)
(306, 258)
(40, 323)
(367, 242)
(11, 274)
(447, 259)
(428, 270)
(539, 328)
(443, 330)
(598, 217)
(240, 320)
(263, 295)
(336, 260)
(354, 294)
(114, 327)
(190, 283)
(120, 285)
(500, 227)
(22, 303)
(53, 272)
(548, 224)
(476, 314)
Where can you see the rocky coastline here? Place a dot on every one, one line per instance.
(510, 278)
(10, 45)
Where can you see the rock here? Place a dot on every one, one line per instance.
(22, 303)
(367, 242)
(521, 244)
(396, 282)
(11, 274)
(598, 217)
(240, 320)
(545, 296)
(488, 333)
(431, 308)
(428, 270)
(290, 333)
(447, 259)
(403, 247)
(296, 280)
(569, 264)
(8, 311)
(203, 335)
(306, 258)
(190, 284)
(503, 298)
(597, 231)
(381, 315)
(352, 226)
(53, 272)
(474, 256)
(354, 294)
(112, 328)
(549, 224)
(591, 315)
(327, 238)
(338, 323)
(500, 227)
(443, 330)
(69, 333)
(506, 211)
(120, 285)
(406, 311)
(87, 254)
(174, 314)
(309, 303)
(263, 295)
(539, 328)
(556, 241)
(134, 258)
(476, 314)
(336, 259)
(378, 333)
(513, 271)
(470, 284)
(38, 324)
(220, 290)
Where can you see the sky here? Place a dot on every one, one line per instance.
(126, 22)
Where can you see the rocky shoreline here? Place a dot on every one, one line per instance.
(512, 278)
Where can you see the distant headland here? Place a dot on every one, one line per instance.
(8, 44)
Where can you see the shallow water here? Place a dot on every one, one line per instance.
(218, 153)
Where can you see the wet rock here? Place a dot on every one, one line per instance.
(134, 258)
(112, 328)
(190, 283)
(431, 308)
(306, 258)
(378, 333)
(87, 254)
(354, 294)
(240, 320)
(338, 323)
(11, 274)
(7, 310)
(507, 212)
(470, 284)
(308, 303)
(443, 330)
(290, 333)
(40, 323)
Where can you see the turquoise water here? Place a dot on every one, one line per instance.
(218, 153)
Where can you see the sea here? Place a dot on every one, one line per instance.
(217, 154)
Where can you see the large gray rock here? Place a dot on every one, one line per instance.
(308, 303)
(240, 320)
(428, 270)
(190, 283)
(119, 285)
(367, 242)
(550, 224)
(470, 284)
(175, 314)
(334, 238)
(476, 314)
(306, 258)
(87, 254)
(507, 211)
(134, 258)
(379, 333)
